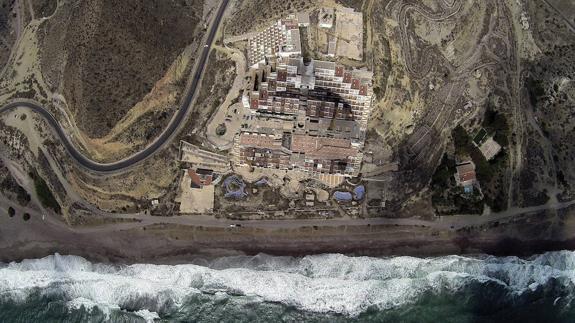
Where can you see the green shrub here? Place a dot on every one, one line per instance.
(221, 129)
(443, 172)
(496, 125)
(44, 194)
(536, 90)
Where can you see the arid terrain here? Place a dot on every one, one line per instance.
(104, 57)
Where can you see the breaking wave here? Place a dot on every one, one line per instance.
(331, 285)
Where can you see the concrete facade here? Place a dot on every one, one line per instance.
(282, 39)
(320, 111)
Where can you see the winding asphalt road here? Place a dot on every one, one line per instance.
(164, 138)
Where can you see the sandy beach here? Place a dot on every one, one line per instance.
(158, 241)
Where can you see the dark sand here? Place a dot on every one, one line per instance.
(172, 243)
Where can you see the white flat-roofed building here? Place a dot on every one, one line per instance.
(279, 40)
(302, 19)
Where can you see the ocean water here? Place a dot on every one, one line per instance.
(319, 288)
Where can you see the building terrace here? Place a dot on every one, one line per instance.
(321, 89)
(320, 111)
(282, 38)
(319, 108)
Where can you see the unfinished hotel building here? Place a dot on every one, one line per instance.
(281, 39)
(305, 116)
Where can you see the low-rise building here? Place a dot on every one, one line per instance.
(466, 176)
(197, 191)
(200, 177)
(281, 39)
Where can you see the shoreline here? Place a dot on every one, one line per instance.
(169, 243)
(173, 243)
(195, 255)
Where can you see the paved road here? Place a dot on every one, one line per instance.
(160, 141)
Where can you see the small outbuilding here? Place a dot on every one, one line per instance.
(466, 176)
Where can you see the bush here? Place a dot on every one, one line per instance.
(461, 141)
(11, 211)
(496, 125)
(443, 173)
(10, 185)
(22, 196)
(26, 216)
(44, 194)
(536, 90)
(221, 129)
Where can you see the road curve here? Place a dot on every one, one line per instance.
(160, 141)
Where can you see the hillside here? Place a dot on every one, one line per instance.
(105, 56)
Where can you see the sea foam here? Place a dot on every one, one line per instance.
(323, 283)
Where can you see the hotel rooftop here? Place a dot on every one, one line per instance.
(281, 39)
(307, 116)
